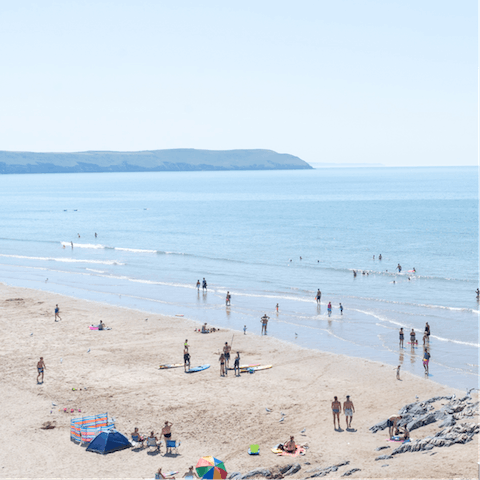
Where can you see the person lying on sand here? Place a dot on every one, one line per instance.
(160, 475)
(290, 446)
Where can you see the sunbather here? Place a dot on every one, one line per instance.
(160, 475)
(191, 473)
(136, 437)
(290, 446)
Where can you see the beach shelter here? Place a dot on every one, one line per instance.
(210, 468)
(108, 441)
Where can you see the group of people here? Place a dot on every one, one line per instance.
(348, 410)
(224, 361)
(190, 475)
(394, 432)
(152, 439)
(203, 285)
(414, 342)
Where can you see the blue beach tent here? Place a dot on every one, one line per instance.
(108, 441)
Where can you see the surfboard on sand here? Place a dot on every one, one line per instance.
(198, 369)
(171, 365)
(246, 366)
(256, 369)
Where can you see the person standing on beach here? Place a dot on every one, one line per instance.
(318, 296)
(222, 365)
(167, 430)
(186, 358)
(336, 407)
(264, 321)
(244, 329)
(426, 359)
(227, 299)
(236, 365)
(204, 284)
(57, 313)
(400, 336)
(329, 307)
(41, 369)
(398, 372)
(226, 353)
(412, 338)
(348, 410)
(277, 307)
(427, 331)
(198, 285)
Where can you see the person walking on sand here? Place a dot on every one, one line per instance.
(264, 321)
(186, 359)
(41, 369)
(198, 285)
(398, 372)
(336, 407)
(236, 365)
(318, 296)
(348, 410)
(57, 313)
(222, 365)
(400, 336)
(226, 354)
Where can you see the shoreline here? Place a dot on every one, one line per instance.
(229, 329)
(116, 371)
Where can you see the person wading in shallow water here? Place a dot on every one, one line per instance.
(264, 321)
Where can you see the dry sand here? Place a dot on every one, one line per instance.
(211, 415)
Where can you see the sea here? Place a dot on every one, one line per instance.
(268, 238)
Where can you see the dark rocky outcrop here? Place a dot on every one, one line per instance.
(353, 470)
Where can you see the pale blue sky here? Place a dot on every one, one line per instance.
(337, 81)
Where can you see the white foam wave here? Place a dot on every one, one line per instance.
(134, 250)
(84, 245)
(65, 260)
(93, 270)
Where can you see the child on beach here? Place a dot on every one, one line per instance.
(57, 313)
(398, 372)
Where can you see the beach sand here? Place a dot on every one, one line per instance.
(211, 415)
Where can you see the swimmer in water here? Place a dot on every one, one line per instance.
(354, 273)
(300, 258)
(374, 257)
(380, 257)
(399, 267)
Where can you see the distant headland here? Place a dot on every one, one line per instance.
(181, 159)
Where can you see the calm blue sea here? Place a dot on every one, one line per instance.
(158, 233)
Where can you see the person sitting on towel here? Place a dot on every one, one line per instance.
(159, 475)
(101, 325)
(290, 446)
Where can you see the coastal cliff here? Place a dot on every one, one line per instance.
(148, 161)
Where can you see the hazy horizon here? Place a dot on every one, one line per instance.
(393, 83)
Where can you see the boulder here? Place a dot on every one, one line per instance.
(292, 470)
(383, 457)
(349, 472)
(259, 472)
(383, 447)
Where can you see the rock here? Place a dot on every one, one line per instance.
(385, 465)
(321, 472)
(259, 472)
(384, 457)
(449, 422)
(381, 448)
(379, 426)
(293, 469)
(285, 468)
(349, 472)
(234, 475)
(422, 421)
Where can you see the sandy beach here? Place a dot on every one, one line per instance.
(116, 371)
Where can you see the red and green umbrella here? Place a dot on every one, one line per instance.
(211, 468)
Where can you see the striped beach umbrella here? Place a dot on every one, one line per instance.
(211, 468)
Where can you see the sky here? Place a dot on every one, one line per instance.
(344, 81)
